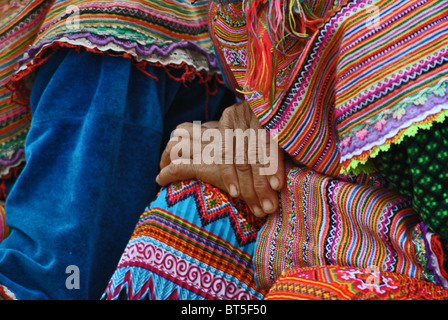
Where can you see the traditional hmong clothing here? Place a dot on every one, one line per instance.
(99, 87)
(351, 283)
(337, 84)
(195, 242)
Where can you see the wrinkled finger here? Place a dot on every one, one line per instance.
(247, 189)
(266, 195)
(273, 165)
(271, 156)
(250, 180)
(185, 145)
(175, 172)
(171, 152)
(227, 170)
(277, 180)
(178, 147)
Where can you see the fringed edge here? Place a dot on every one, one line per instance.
(270, 23)
(430, 255)
(436, 248)
(20, 92)
(12, 174)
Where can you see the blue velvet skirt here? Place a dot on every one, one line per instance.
(92, 155)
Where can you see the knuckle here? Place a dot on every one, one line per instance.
(243, 167)
(171, 143)
(228, 112)
(181, 130)
(227, 174)
(263, 189)
(174, 169)
(261, 186)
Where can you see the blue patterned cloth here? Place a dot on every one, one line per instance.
(192, 243)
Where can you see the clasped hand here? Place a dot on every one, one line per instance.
(235, 154)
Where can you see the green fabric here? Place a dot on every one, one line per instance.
(418, 168)
(395, 166)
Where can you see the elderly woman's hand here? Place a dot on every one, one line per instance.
(183, 158)
(241, 159)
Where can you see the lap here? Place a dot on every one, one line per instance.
(322, 221)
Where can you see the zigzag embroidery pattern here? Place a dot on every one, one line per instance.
(213, 205)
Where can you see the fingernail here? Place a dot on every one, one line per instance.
(257, 211)
(267, 205)
(274, 182)
(233, 191)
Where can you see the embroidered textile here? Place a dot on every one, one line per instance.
(19, 23)
(371, 73)
(193, 242)
(165, 32)
(190, 224)
(325, 221)
(349, 283)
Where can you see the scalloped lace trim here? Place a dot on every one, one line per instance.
(5, 170)
(356, 166)
(417, 99)
(177, 56)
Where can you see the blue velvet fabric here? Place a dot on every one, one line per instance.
(92, 154)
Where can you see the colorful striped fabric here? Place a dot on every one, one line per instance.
(372, 73)
(19, 23)
(163, 32)
(193, 242)
(349, 283)
(159, 32)
(326, 221)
